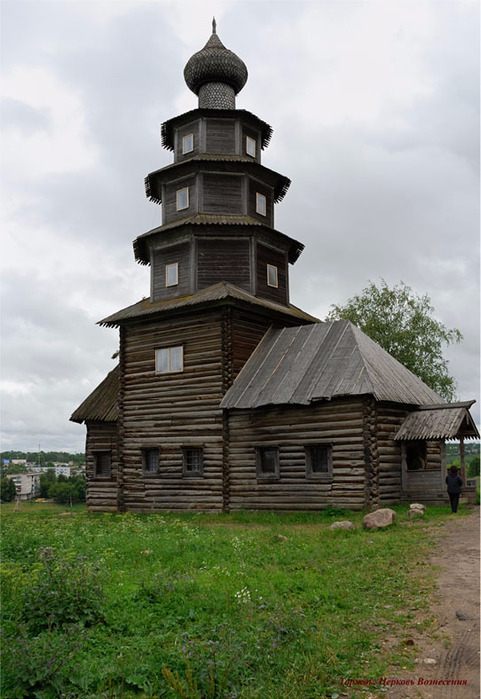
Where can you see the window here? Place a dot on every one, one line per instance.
(172, 274)
(150, 461)
(261, 204)
(169, 360)
(101, 464)
(193, 461)
(267, 462)
(182, 199)
(318, 461)
(250, 146)
(416, 455)
(272, 276)
(188, 144)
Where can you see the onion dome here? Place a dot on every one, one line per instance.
(215, 74)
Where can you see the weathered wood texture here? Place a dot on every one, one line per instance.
(338, 423)
(265, 256)
(246, 131)
(169, 207)
(169, 411)
(222, 194)
(167, 256)
(223, 260)
(221, 136)
(102, 492)
(191, 128)
(389, 419)
(254, 187)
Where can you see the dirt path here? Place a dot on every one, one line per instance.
(456, 610)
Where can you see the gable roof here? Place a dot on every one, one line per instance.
(448, 421)
(222, 291)
(102, 403)
(309, 363)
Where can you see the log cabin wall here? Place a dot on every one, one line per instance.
(102, 492)
(222, 194)
(267, 255)
(171, 411)
(389, 419)
(220, 259)
(338, 423)
(221, 136)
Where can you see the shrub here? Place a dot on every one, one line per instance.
(64, 590)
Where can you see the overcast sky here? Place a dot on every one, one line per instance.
(375, 110)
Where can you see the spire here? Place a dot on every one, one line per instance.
(215, 74)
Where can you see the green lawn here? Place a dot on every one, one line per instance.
(247, 605)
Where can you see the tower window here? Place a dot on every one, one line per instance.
(272, 276)
(182, 199)
(261, 204)
(267, 462)
(193, 461)
(318, 460)
(172, 274)
(169, 360)
(188, 144)
(250, 146)
(150, 461)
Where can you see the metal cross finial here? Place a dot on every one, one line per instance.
(214, 26)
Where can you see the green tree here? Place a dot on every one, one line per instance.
(473, 467)
(402, 322)
(7, 490)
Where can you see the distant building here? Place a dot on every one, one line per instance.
(19, 462)
(27, 484)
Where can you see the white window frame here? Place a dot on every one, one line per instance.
(175, 265)
(276, 285)
(184, 149)
(181, 208)
(250, 140)
(168, 350)
(261, 198)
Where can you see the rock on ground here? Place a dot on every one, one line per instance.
(417, 506)
(379, 519)
(344, 524)
(415, 512)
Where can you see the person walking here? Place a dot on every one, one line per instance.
(454, 483)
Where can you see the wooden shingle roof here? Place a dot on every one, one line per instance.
(300, 365)
(212, 295)
(449, 421)
(102, 403)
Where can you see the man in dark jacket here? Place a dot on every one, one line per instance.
(454, 483)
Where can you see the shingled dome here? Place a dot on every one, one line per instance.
(215, 64)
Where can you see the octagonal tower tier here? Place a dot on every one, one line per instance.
(217, 198)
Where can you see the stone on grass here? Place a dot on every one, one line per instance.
(344, 524)
(379, 519)
(415, 512)
(417, 506)
(281, 537)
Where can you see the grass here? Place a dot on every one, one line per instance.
(245, 605)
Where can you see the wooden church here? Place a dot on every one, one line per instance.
(226, 396)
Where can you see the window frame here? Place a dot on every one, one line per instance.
(318, 475)
(249, 139)
(276, 285)
(186, 473)
(261, 197)
(184, 150)
(102, 452)
(267, 475)
(169, 370)
(177, 193)
(146, 472)
(176, 266)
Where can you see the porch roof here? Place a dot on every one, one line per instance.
(443, 421)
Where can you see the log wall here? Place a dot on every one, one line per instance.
(338, 423)
(101, 492)
(223, 260)
(389, 420)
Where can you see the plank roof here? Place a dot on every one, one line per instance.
(300, 365)
(102, 403)
(449, 421)
(222, 291)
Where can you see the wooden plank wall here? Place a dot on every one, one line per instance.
(254, 187)
(166, 256)
(101, 492)
(389, 420)
(222, 194)
(265, 256)
(223, 260)
(220, 136)
(338, 422)
(193, 128)
(169, 411)
(169, 210)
